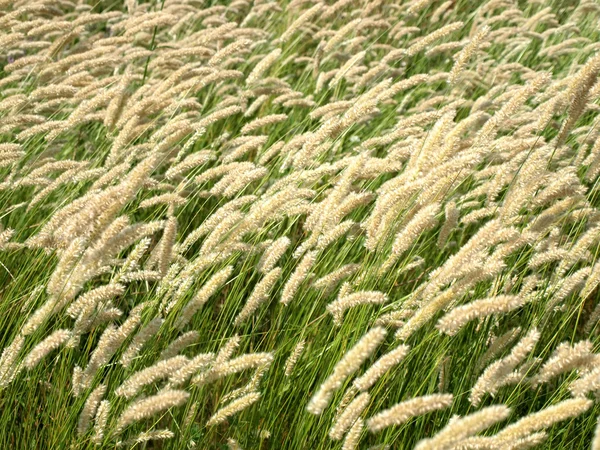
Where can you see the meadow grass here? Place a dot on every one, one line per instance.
(442, 157)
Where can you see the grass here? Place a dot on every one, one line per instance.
(38, 408)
